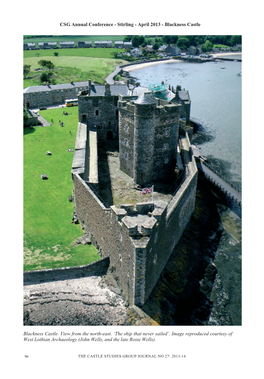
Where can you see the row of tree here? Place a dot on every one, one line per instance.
(184, 42)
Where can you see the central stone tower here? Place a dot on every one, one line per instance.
(148, 135)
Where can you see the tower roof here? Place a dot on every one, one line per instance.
(145, 98)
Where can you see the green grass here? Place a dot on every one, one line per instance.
(219, 46)
(48, 231)
(75, 38)
(72, 64)
(76, 52)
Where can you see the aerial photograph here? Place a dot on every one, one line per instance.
(132, 180)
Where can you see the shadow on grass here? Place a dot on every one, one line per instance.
(28, 130)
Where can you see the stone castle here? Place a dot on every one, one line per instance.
(130, 138)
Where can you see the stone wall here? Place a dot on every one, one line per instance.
(137, 243)
(97, 268)
(100, 113)
(148, 135)
(172, 219)
(109, 235)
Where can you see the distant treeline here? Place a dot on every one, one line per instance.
(187, 41)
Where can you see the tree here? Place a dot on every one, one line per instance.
(25, 115)
(127, 38)
(42, 62)
(137, 41)
(26, 69)
(183, 43)
(45, 77)
(45, 63)
(50, 65)
(56, 53)
(235, 40)
(207, 46)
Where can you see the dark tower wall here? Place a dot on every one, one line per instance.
(148, 135)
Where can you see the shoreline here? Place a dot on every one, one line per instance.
(138, 66)
(134, 67)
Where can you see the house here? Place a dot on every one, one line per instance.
(127, 45)
(163, 47)
(84, 44)
(29, 46)
(136, 52)
(149, 48)
(192, 50)
(172, 50)
(50, 45)
(66, 44)
(102, 43)
(119, 44)
(42, 96)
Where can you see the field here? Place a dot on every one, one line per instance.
(48, 231)
(72, 64)
(74, 38)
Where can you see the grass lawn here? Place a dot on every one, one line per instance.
(48, 231)
(72, 64)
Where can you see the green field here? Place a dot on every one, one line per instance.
(72, 64)
(74, 38)
(48, 231)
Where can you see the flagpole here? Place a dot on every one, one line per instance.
(152, 193)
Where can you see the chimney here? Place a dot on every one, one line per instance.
(107, 90)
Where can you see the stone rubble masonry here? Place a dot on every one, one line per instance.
(140, 240)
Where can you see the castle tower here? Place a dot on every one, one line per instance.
(148, 136)
(144, 138)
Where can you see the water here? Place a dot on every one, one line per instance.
(215, 94)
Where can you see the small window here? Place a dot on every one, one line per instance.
(126, 142)
(97, 112)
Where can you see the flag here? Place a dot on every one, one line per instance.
(146, 190)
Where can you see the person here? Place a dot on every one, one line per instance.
(74, 220)
(48, 153)
(43, 176)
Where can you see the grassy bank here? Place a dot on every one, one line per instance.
(72, 64)
(48, 231)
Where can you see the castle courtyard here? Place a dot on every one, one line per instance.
(117, 188)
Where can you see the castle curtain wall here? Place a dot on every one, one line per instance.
(109, 236)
